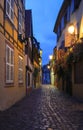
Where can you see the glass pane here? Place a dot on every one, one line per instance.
(12, 72)
(7, 55)
(12, 14)
(8, 8)
(19, 28)
(20, 64)
(12, 57)
(68, 13)
(20, 21)
(20, 76)
(12, 3)
(7, 72)
(19, 16)
(72, 6)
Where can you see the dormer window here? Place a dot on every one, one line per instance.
(10, 9)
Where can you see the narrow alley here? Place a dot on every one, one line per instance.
(45, 108)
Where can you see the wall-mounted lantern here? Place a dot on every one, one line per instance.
(24, 39)
(71, 29)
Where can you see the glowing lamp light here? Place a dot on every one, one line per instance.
(41, 51)
(48, 66)
(71, 29)
(50, 57)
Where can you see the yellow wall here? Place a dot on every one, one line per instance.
(81, 28)
(77, 89)
(9, 94)
(1, 12)
(2, 60)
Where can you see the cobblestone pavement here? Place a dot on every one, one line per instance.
(44, 109)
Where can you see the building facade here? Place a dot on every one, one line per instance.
(29, 50)
(54, 65)
(69, 47)
(12, 52)
(46, 79)
(51, 64)
(37, 60)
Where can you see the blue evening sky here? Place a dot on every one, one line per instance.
(44, 14)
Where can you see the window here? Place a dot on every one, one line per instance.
(72, 6)
(30, 43)
(68, 13)
(62, 23)
(77, 2)
(23, 1)
(65, 18)
(28, 79)
(9, 65)
(20, 69)
(20, 22)
(10, 9)
(59, 31)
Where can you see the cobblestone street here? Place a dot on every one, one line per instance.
(44, 109)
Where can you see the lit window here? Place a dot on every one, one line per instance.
(20, 69)
(9, 64)
(10, 9)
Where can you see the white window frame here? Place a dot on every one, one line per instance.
(20, 69)
(10, 9)
(9, 64)
(20, 22)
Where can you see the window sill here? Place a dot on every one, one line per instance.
(7, 85)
